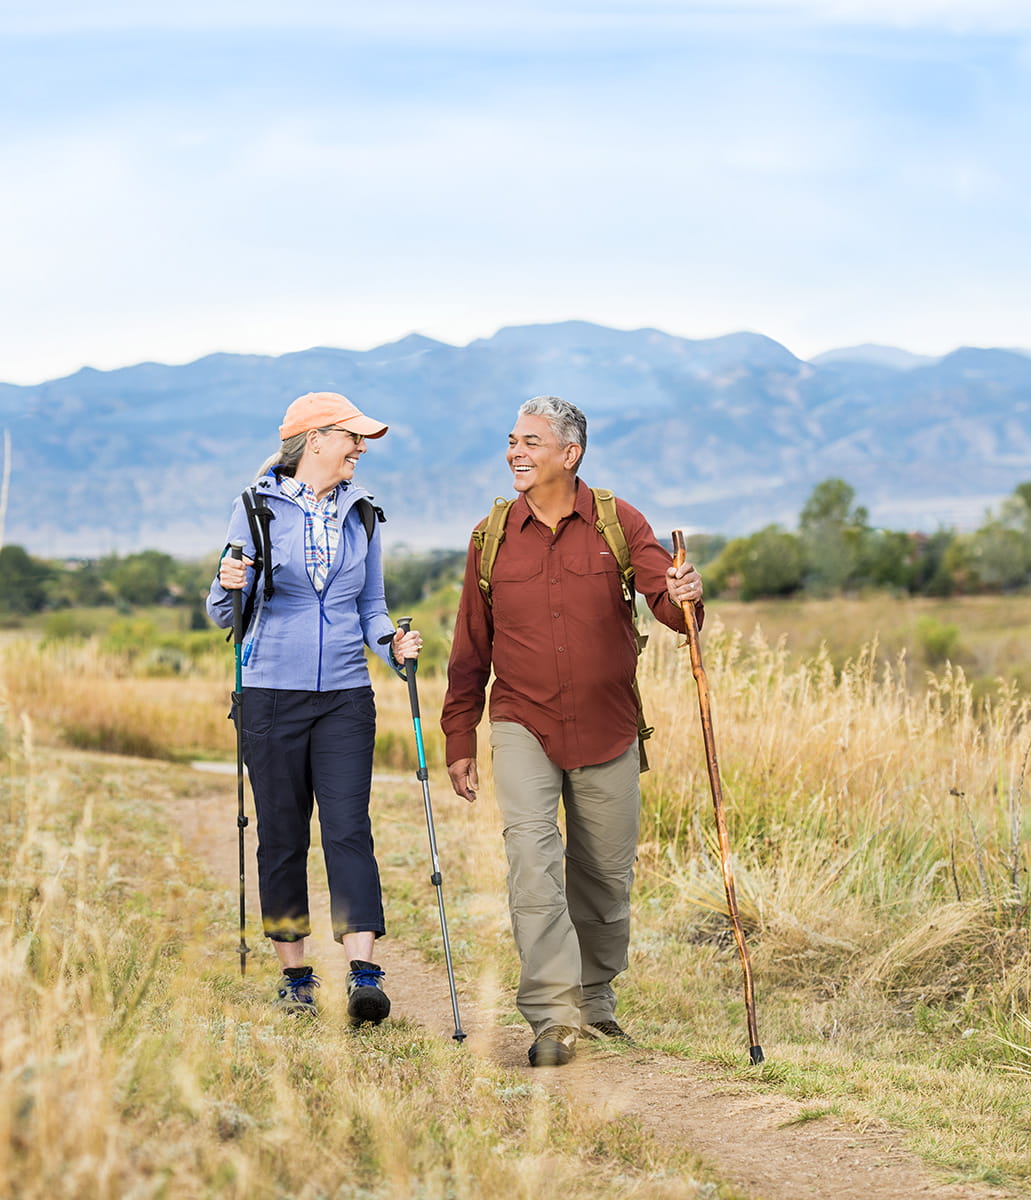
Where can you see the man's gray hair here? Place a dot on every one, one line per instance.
(567, 422)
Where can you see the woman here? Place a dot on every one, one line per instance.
(309, 718)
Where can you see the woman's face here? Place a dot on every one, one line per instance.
(341, 449)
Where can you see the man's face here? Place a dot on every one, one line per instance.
(535, 455)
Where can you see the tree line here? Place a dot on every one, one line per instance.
(31, 585)
(834, 549)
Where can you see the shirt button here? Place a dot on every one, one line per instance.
(561, 649)
(555, 614)
(554, 581)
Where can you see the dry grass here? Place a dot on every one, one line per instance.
(135, 1063)
(881, 848)
(862, 771)
(990, 641)
(81, 694)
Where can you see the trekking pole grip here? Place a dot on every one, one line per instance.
(236, 551)
(410, 665)
(405, 625)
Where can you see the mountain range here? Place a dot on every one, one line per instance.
(722, 434)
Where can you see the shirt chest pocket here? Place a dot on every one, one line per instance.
(595, 575)
(600, 563)
(518, 592)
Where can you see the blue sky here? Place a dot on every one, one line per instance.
(262, 177)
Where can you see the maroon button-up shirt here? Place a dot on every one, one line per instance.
(559, 635)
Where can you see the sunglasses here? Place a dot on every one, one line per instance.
(357, 438)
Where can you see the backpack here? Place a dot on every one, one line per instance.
(259, 516)
(488, 536)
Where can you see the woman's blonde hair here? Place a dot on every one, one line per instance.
(287, 456)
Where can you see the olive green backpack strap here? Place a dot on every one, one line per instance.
(487, 537)
(611, 530)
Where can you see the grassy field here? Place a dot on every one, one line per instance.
(989, 637)
(876, 799)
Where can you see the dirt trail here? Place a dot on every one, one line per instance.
(746, 1136)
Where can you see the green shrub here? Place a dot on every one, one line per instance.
(937, 640)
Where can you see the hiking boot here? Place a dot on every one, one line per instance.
(553, 1048)
(608, 1031)
(297, 991)
(366, 999)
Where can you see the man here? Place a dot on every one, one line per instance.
(558, 633)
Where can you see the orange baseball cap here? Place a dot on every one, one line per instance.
(316, 409)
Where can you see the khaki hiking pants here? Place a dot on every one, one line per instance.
(571, 926)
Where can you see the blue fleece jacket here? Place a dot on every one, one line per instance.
(305, 640)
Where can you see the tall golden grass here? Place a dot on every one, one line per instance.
(80, 692)
(880, 832)
(135, 1063)
(880, 843)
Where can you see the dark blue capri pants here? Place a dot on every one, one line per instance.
(306, 746)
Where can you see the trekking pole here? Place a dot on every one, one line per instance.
(236, 551)
(410, 665)
(755, 1051)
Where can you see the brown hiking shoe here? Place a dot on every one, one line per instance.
(554, 1047)
(608, 1031)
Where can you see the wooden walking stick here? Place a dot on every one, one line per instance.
(755, 1051)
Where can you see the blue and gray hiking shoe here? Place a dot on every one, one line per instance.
(366, 999)
(297, 991)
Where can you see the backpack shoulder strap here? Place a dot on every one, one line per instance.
(487, 537)
(259, 515)
(608, 525)
(611, 530)
(370, 513)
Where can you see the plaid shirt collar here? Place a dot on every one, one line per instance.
(321, 531)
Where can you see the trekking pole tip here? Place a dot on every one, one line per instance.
(755, 1053)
